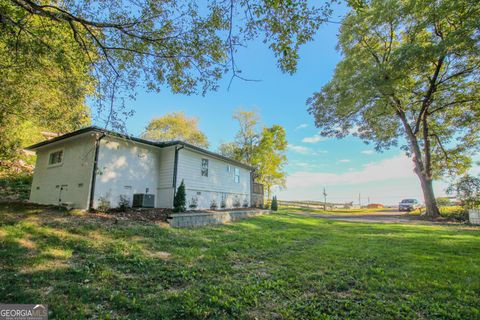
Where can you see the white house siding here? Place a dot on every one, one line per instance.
(219, 183)
(123, 169)
(165, 178)
(68, 181)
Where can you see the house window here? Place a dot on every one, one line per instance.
(229, 168)
(204, 167)
(55, 158)
(237, 175)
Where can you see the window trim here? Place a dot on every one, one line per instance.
(235, 170)
(52, 165)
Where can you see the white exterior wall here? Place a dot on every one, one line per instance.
(165, 188)
(219, 183)
(125, 167)
(73, 175)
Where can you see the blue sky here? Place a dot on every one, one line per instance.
(344, 167)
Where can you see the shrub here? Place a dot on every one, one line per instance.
(193, 203)
(179, 201)
(245, 203)
(274, 203)
(124, 203)
(213, 205)
(454, 213)
(467, 189)
(236, 203)
(223, 204)
(15, 186)
(103, 204)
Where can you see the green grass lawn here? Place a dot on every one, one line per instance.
(335, 211)
(275, 266)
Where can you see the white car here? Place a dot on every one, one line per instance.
(409, 205)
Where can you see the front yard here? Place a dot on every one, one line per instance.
(275, 266)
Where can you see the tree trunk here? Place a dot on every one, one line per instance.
(428, 195)
(421, 170)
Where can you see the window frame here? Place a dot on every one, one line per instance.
(56, 164)
(203, 168)
(236, 177)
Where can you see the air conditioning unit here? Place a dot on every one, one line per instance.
(142, 200)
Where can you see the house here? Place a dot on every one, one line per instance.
(92, 166)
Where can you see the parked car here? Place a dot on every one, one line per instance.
(409, 205)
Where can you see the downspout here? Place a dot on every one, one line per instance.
(175, 166)
(94, 171)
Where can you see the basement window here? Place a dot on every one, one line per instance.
(204, 167)
(55, 158)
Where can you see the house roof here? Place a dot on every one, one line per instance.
(143, 141)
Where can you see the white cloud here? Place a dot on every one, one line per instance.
(393, 168)
(301, 126)
(369, 151)
(313, 139)
(299, 149)
(344, 160)
(305, 150)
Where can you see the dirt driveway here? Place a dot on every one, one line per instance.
(375, 217)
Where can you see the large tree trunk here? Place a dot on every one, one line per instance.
(421, 169)
(428, 194)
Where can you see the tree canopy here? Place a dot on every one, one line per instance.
(44, 80)
(263, 149)
(408, 76)
(175, 126)
(184, 45)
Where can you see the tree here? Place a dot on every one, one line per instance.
(181, 44)
(247, 137)
(467, 189)
(264, 150)
(40, 89)
(175, 126)
(408, 75)
(269, 158)
(443, 201)
(180, 201)
(230, 150)
(274, 206)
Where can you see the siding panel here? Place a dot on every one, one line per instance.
(74, 174)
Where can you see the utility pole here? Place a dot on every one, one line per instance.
(324, 199)
(359, 200)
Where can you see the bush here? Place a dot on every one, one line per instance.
(236, 203)
(179, 201)
(467, 189)
(15, 186)
(454, 213)
(213, 205)
(103, 204)
(193, 203)
(124, 203)
(223, 204)
(274, 204)
(245, 203)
